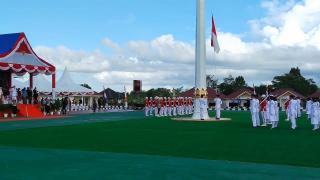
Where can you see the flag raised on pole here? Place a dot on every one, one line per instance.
(214, 38)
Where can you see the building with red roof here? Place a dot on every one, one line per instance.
(283, 95)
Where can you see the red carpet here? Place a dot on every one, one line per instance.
(29, 110)
(33, 118)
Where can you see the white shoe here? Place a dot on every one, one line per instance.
(264, 125)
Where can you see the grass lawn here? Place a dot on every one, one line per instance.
(230, 140)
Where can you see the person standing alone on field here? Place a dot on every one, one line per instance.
(254, 108)
(308, 107)
(218, 104)
(315, 114)
(293, 112)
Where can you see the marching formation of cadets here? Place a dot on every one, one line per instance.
(269, 110)
(166, 106)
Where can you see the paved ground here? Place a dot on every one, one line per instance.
(30, 163)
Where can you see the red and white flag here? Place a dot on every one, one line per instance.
(214, 38)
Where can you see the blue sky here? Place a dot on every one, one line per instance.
(82, 24)
(112, 42)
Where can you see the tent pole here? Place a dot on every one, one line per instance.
(31, 81)
(53, 76)
(10, 80)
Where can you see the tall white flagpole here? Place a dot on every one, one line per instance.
(125, 98)
(200, 69)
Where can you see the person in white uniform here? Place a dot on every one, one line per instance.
(151, 109)
(169, 106)
(268, 110)
(293, 112)
(254, 109)
(218, 104)
(308, 107)
(156, 106)
(273, 106)
(203, 106)
(315, 114)
(298, 107)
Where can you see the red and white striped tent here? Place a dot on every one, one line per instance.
(18, 57)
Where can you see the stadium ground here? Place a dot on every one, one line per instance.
(118, 145)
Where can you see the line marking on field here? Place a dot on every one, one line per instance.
(198, 120)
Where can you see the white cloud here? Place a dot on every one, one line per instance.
(80, 61)
(163, 48)
(110, 44)
(289, 36)
(290, 23)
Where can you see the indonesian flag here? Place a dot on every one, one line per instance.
(214, 38)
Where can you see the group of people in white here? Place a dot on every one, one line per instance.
(268, 108)
(167, 106)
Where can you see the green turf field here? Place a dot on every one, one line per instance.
(232, 140)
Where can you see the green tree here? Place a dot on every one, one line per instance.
(296, 81)
(177, 91)
(239, 82)
(227, 86)
(231, 84)
(138, 98)
(211, 81)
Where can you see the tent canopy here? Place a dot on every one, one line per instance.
(67, 86)
(17, 55)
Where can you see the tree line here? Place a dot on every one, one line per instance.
(293, 79)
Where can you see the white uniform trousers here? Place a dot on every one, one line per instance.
(255, 119)
(264, 117)
(190, 109)
(179, 110)
(146, 110)
(150, 111)
(156, 113)
(201, 113)
(218, 113)
(174, 111)
(161, 113)
(169, 111)
(293, 121)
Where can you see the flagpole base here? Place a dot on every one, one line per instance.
(197, 111)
